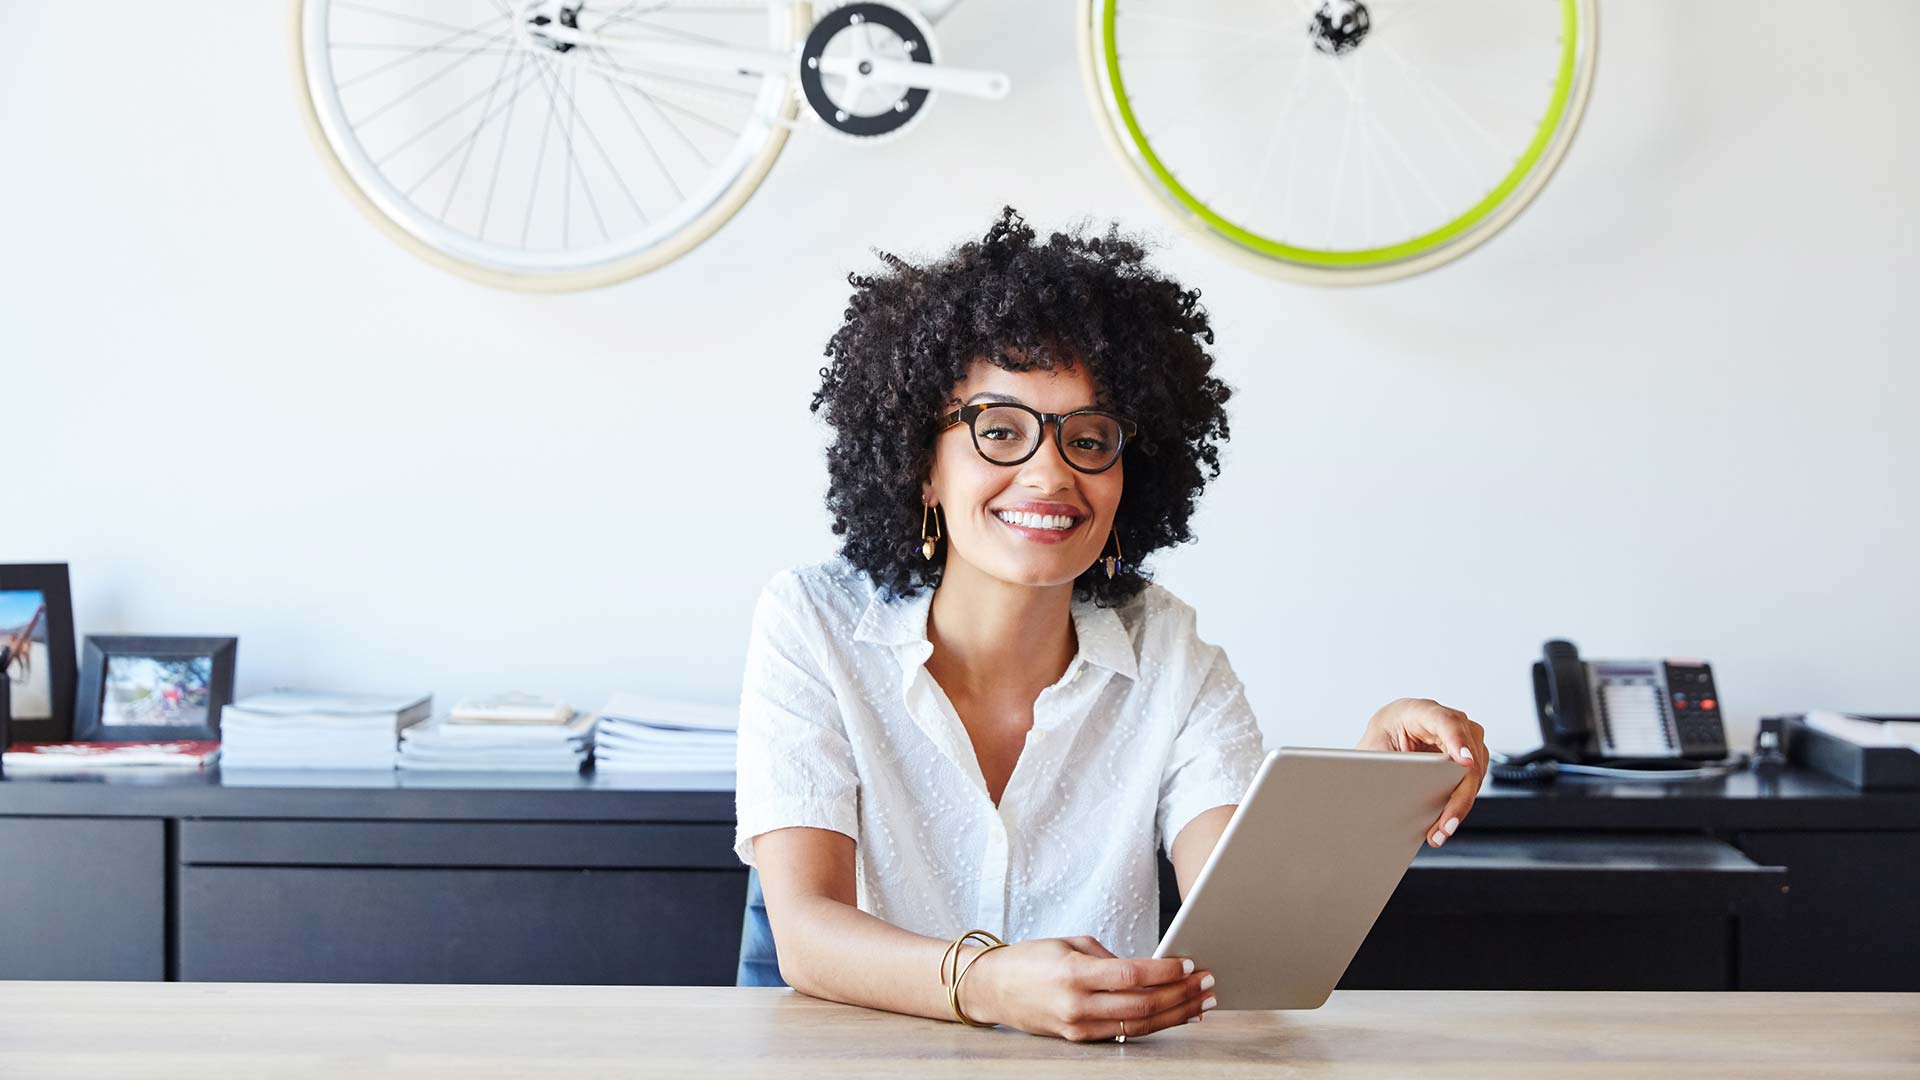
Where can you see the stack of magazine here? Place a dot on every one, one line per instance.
(309, 729)
(46, 757)
(646, 734)
(507, 733)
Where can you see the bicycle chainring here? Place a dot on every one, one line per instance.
(861, 107)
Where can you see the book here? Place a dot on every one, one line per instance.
(287, 700)
(510, 708)
(288, 728)
(504, 758)
(446, 733)
(534, 747)
(285, 707)
(641, 732)
(659, 712)
(434, 765)
(84, 756)
(604, 761)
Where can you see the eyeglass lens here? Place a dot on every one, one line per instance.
(1007, 435)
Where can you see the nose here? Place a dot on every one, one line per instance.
(1046, 471)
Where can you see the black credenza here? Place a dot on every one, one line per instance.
(1738, 883)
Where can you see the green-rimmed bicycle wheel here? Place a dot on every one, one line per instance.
(1341, 141)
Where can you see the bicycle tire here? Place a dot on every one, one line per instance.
(1156, 171)
(381, 207)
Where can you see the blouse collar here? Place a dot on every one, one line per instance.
(902, 623)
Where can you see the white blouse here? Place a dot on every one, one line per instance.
(843, 728)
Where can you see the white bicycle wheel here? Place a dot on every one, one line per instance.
(529, 163)
(1340, 141)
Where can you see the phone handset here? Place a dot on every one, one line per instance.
(1560, 696)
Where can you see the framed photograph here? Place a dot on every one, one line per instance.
(36, 631)
(143, 688)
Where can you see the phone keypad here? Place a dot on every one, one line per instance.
(1696, 710)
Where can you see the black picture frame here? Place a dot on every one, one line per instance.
(99, 651)
(51, 582)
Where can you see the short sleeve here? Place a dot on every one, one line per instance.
(794, 764)
(1216, 751)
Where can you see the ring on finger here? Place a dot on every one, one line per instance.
(1122, 1037)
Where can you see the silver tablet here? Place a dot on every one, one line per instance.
(1303, 869)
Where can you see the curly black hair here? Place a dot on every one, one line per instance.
(913, 332)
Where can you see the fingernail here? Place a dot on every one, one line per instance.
(1439, 838)
(1209, 1003)
(1206, 983)
(1452, 824)
(1194, 1019)
(1466, 755)
(1186, 967)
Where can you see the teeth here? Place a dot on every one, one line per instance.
(1036, 521)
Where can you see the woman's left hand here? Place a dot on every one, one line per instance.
(1424, 724)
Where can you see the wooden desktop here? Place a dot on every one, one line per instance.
(245, 1031)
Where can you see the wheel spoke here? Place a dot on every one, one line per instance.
(442, 45)
(520, 85)
(671, 31)
(500, 156)
(1239, 33)
(573, 162)
(450, 114)
(613, 71)
(422, 84)
(1428, 88)
(474, 138)
(415, 19)
(539, 158)
(614, 89)
(377, 46)
(1296, 93)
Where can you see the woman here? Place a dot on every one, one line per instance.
(983, 714)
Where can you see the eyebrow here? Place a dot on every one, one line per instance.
(988, 395)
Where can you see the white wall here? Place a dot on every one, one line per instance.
(1661, 415)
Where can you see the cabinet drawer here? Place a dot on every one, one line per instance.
(320, 924)
(1853, 924)
(458, 844)
(83, 898)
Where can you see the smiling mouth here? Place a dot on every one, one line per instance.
(1039, 528)
(1042, 522)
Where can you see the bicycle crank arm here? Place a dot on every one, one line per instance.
(973, 82)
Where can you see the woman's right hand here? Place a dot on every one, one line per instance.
(1076, 989)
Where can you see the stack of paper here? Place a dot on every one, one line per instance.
(498, 746)
(1862, 730)
(640, 733)
(306, 729)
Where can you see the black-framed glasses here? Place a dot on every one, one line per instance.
(1008, 433)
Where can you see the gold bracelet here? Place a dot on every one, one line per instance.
(953, 995)
(952, 985)
(954, 949)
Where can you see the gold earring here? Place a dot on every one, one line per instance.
(927, 542)
(1113, 560)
